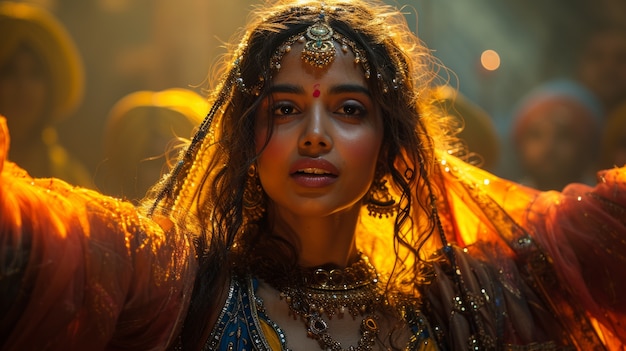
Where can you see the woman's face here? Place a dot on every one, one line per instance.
(327, 135)
(552, 149)
(23, 92)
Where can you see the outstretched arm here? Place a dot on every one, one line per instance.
(583, 231)
(79, 270)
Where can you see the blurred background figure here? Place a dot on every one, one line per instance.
(556, 135)
(480, 142)
(137, 45)
(141, 136)
(602, 64)
(614, 139)
(41, 83)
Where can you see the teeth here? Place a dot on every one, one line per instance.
(313, 171)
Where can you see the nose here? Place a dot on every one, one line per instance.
(315, 139)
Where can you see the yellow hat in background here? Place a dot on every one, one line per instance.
(142, 115)
(22, 23)
(143, 130)
(478, 131)
(186, 102)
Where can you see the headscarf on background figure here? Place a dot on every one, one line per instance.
(613, 152)
(556, 131)
(41, 83)
(142, 131)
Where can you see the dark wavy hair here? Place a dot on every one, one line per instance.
(402, 73)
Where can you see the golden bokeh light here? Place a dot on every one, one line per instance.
(490, 60)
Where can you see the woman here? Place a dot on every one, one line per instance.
(41, 83)
(328, 213)
(322, 117)
(556, 130)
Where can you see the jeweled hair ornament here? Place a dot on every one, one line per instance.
(319, 46)
(319, 50)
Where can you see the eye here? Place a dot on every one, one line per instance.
(282, 109)
(351, 108)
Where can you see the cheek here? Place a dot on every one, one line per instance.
(272, 150)
(263, 145)
(363, 151)
(275, 156)
(532, 148)
(261, 132)
(534, 138)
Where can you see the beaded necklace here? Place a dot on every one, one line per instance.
(315, 293)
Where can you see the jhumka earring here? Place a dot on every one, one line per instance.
(379, 201)
(253, 208)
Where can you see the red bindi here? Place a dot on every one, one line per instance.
(316, 91)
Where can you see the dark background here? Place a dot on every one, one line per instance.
(130, 45)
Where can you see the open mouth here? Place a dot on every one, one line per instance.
(314, 172)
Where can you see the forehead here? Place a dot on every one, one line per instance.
(343, 68)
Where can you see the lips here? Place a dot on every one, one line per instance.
(313, 173)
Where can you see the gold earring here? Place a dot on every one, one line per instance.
(253, 196)
(379, 201)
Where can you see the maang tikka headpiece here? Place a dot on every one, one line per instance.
(319, 49)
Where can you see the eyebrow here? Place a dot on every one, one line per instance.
(336, 89)
(287, 88)
(349, 88)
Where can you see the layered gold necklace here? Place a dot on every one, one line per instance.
(316, 293)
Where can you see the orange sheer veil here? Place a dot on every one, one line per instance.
(81, 270)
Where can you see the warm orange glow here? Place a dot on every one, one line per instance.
(490, 60)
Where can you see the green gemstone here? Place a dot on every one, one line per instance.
(319, 31)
